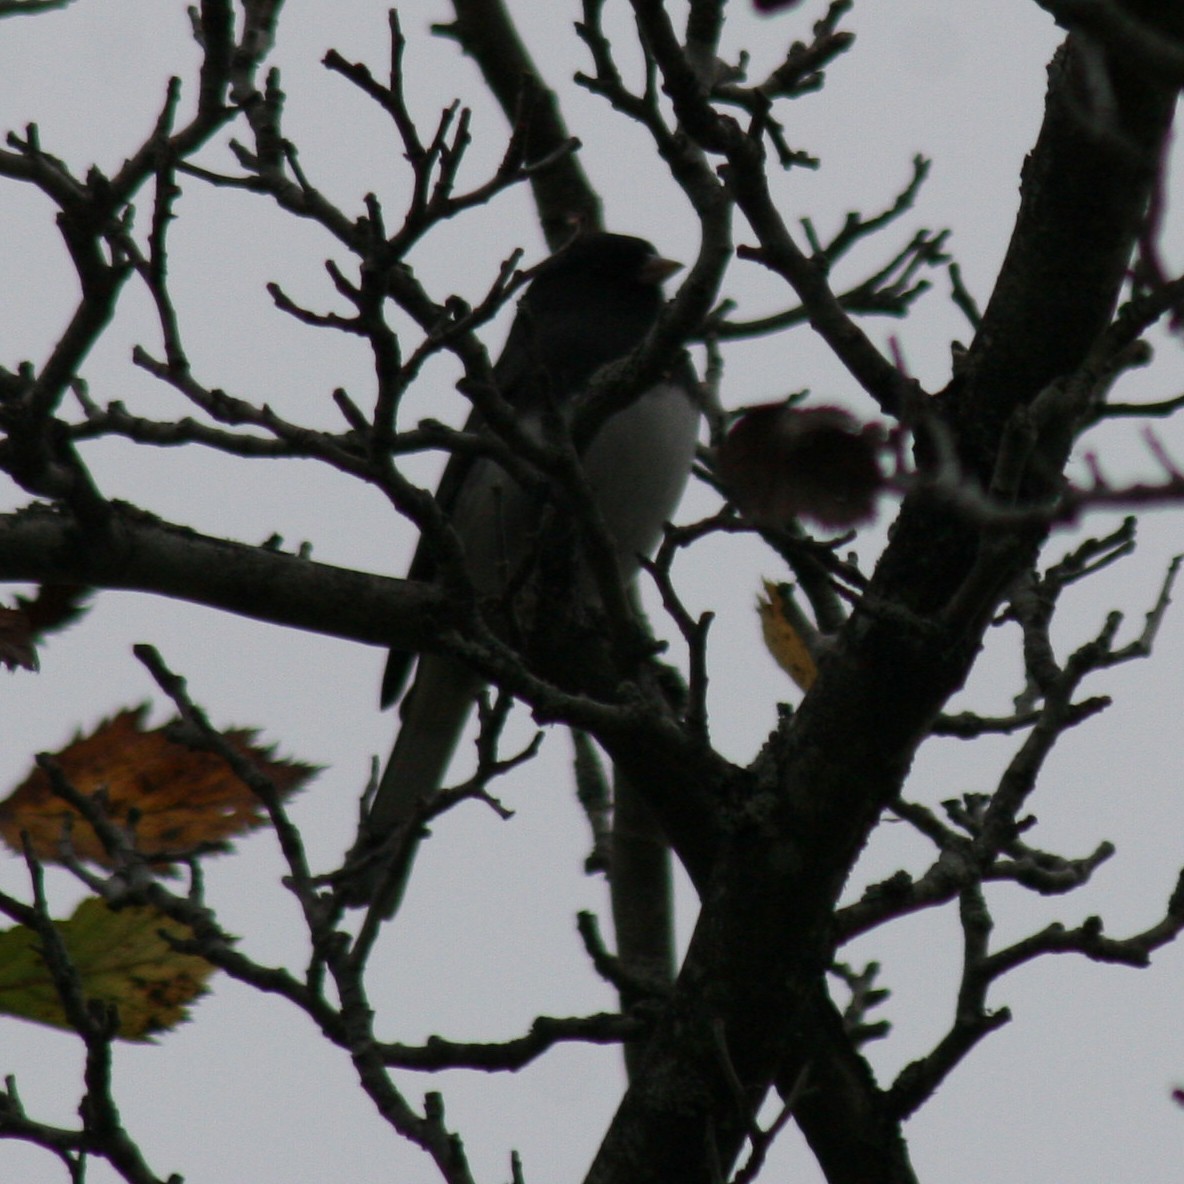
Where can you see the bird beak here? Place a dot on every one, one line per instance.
(655, 269)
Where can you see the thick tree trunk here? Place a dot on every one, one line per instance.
(737, 1018)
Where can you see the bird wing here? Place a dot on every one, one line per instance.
(516, 374)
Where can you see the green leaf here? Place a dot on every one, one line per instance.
(120, 958)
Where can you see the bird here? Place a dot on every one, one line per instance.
(588, 305)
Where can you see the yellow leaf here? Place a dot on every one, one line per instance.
(119, 957)
(784, 642)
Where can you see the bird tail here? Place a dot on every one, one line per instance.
(433, 713)
(433, 717)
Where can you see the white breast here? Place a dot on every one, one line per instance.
(637, 467)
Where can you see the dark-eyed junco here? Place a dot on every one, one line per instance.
(587, 306)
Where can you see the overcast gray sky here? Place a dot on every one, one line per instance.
(1075, 1088)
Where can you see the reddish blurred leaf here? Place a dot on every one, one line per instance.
(181, 798)
(779, 463)
(16, 640)
(119, 957)
(55, 607)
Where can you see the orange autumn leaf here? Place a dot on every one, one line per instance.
(783, 641)
(180, 798)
